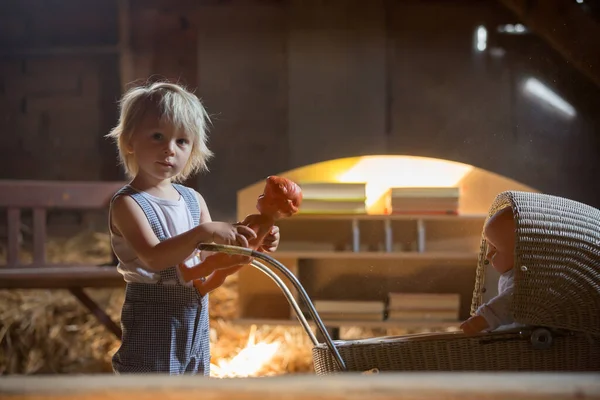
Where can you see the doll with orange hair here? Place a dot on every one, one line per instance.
(499, 233)
(281, 198)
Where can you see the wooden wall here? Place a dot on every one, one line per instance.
(290, 83)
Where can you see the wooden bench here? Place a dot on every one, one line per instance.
(41, 196)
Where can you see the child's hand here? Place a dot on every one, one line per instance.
(230, 234)
(473, 325)
(271, 241)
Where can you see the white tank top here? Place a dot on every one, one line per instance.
(175, 218)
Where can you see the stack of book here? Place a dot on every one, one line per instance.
(351, 310)
(333, 198)
(435, 307)
(424, 200)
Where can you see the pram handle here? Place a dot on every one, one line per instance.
(227, 249)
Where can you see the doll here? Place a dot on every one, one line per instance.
(499, 233)
(281, 198)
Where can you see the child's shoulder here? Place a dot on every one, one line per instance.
(122, 195)
(192, 191)
(123, 201)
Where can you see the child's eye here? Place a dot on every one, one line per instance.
(182, 142)
(157, 136)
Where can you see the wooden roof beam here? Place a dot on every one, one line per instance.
(568, 29)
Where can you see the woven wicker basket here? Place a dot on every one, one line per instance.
(556, 299)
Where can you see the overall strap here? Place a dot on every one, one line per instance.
(146, 208)
(166, 275)
(189, 196)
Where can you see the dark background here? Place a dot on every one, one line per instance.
(290, 83)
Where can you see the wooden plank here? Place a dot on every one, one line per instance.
(59, 277)
(39, 236)
(57, 194)
(14, 226)
(377, 255)
(412, 217)
(98, 312)
(396, 386)
(372, 280)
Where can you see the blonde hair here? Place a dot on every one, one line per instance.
(173, 103)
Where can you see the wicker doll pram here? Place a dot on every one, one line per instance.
(556, 303)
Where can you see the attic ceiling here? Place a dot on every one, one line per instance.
(571, 27)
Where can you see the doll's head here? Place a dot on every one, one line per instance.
(281, 198)
(499, 232)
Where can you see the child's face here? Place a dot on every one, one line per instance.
(499, 233)
(161, 150)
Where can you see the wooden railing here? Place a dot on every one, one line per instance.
(40, 197)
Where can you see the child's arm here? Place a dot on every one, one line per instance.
(234, 262)
(129, 220)
(218, 277)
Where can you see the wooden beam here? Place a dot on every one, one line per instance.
(389, 386)
(125, 56)
(14, 232)
(98, 312)
(57, 194)
(567, 28)
(39, 236)
(59, 277)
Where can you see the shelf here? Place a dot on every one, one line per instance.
(369, 255)
(364, 257)
(364, 324)
(355, 229)
(373, 217)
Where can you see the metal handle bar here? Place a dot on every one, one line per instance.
(236, 250)
(289, 297)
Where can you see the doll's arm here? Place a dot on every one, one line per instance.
(497, 311)
(209, 264)
(216, 279)
(490, 315)
(474, 324)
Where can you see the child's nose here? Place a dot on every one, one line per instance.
(169, 148)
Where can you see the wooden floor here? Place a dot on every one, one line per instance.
(413, 386)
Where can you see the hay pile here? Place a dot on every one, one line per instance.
(49, 331)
